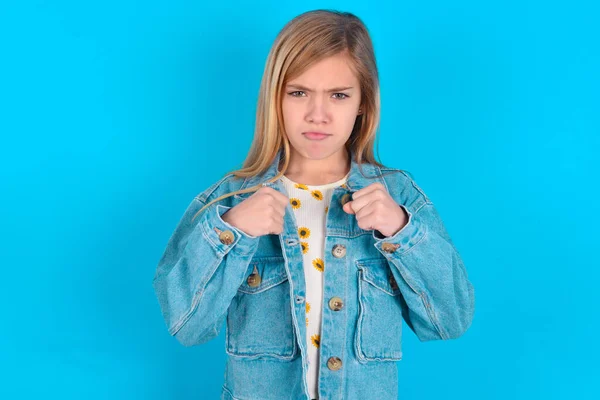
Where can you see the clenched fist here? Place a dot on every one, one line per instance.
(375, 209)
(260, 214)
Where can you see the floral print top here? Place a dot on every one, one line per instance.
(310, 204)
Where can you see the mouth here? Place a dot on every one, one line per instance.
(315, 135)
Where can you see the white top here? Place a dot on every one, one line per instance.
(310, 204)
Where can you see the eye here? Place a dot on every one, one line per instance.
(297, 91)
(343, 94)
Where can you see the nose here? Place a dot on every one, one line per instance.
(318, 111)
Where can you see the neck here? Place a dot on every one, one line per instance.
(318, 172)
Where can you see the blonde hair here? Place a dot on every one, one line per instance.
(303, 41)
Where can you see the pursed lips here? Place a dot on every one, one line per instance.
(316, 135)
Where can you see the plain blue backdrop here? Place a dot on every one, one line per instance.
(113, 116)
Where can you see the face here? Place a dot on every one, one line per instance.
(325, 99)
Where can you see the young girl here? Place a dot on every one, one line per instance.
(313, 254)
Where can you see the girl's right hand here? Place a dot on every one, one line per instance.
(260, 214)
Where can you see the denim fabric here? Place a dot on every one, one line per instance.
(201, 285)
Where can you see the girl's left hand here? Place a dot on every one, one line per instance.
(376, 209)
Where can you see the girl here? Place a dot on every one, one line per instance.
(313, 254)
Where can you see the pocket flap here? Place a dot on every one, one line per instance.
(378, 273)
(271, 271)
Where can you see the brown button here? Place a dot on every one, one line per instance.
(334, 363)
(389, 247)
(254, 279)
(346, 197)
(336, 304)
(338, 251)
(226, 237)
(393, 282)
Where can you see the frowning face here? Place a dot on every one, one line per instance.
(324, 99)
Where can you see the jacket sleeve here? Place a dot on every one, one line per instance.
(198, 275)
(438, 300)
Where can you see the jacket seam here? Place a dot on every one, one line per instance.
(429, 310)
(203, 197)
(432, 317)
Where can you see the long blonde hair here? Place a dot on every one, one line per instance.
(303, 41)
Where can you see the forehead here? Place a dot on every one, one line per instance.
(329, 71)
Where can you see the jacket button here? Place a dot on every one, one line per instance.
(334, 363)
(389, 247)
(393, 282)
(339, 250)
(254, 278)
(226, 237)
(336, 304)
(346, 197)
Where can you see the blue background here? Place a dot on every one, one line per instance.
(115, 114)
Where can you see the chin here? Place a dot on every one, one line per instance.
(319, 153)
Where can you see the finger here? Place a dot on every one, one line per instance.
(276, 226)
(277, 210)
(366, 210)
(367, 190)
(367, 218)
(284, 199)
(348, 208)
(275, 222)
(365, 199)
(281, 199)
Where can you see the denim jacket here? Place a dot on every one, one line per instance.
(255, 287)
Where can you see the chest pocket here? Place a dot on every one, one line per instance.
(379, 327)
(259, 319)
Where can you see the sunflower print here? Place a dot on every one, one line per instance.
(305, 247)
(303, 232)
(317, 194)
(316, 340)
(318, 264)
(311, 206)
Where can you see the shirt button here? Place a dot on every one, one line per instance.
(226, 237)
(334, 363)
(389, 247)
(339, 250)
(335, 303)
(346, 197)
(254, 278)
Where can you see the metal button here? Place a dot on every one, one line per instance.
(254, 279)
(338, 251)
(346, 197)
(336, 304)
(389, 247)
(334, 363)
(226, 237)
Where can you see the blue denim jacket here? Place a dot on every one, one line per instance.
(417, 275)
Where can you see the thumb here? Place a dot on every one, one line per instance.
(347, 208)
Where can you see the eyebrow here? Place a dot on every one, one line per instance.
(338, 89)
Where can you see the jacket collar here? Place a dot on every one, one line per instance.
(356, 180)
